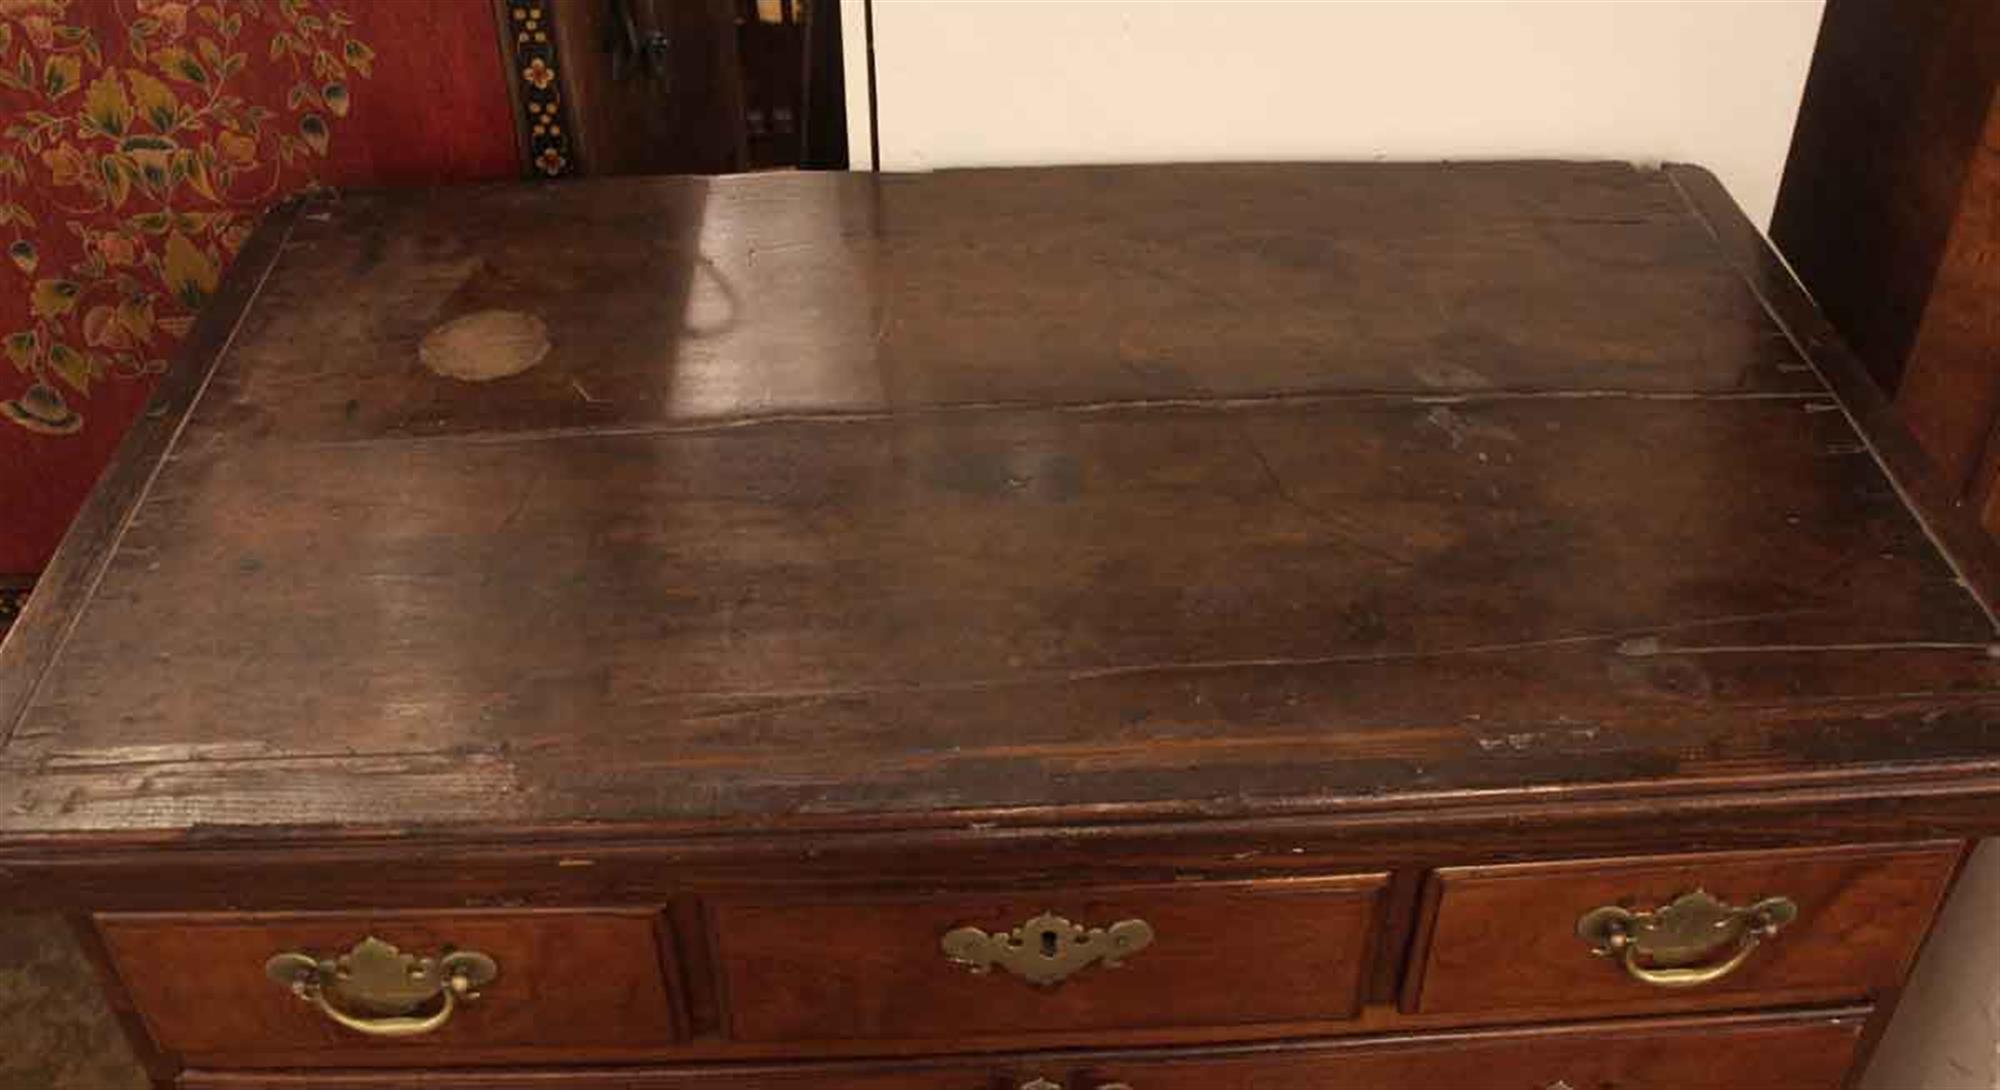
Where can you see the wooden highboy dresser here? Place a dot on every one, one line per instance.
(1150, 628)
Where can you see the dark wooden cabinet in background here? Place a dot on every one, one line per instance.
(1890, 213)
(698, 86)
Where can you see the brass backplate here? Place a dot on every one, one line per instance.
(375, 978)
(1689, 929)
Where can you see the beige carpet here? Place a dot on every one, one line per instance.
(55, 1031)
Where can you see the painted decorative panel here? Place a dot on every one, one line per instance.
(140, 139)
(533, 54)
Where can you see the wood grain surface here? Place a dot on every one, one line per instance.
(1232, 491)
(1499, 938)
(1222, 954)
(1950, 392)
(569, 980)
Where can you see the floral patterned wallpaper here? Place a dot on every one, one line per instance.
(139, 142)
(151, 163)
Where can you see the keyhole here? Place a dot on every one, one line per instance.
(1048, 944)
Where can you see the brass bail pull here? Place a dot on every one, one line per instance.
(377, 990)
(1696, 939)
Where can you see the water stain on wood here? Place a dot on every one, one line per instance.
(485, 345)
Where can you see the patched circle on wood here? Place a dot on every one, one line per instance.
(485, 345)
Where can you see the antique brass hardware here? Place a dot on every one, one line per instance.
(1044, 1084)
(1048, 949)
(1668, 946)
(378, 990)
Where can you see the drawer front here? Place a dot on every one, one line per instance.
(1190, 954)
(1777, 927)
(562, 980)
(1800, 1053)
(1810, 1055)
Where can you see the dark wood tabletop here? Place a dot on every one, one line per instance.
(1119, 492)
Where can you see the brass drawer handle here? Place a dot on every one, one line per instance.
(1044, 1084)
(1047, 949)
(1675, 946)
(378, 990)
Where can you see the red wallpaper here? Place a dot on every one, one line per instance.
(139, 139)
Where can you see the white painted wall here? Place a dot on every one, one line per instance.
(1946, 1033)
(1007, 82)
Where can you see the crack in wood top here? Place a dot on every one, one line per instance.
(874, 546)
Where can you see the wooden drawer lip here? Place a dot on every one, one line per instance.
(1845, 1024)
(627, 1001)
(1537, 867)
(1931, 863)
(279, 916)
(755, 1008)
(1273, 885)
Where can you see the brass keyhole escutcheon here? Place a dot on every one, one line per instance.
(1048, 949)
